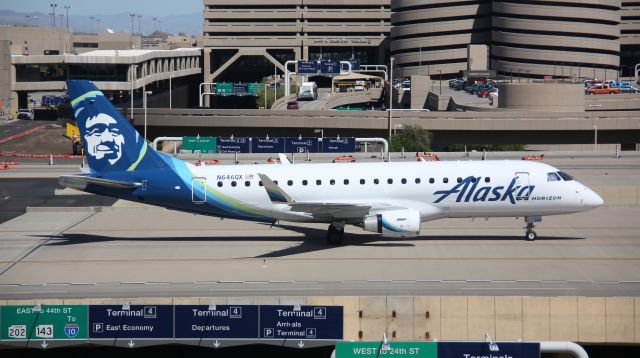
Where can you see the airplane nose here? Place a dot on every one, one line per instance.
(591, 199)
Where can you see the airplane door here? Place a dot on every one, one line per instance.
(522, 179)
(199, 190)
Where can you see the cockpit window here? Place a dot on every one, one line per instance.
(553, 177)
(565, 176)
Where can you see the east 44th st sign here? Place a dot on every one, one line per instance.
(45, 322)
(380, 349)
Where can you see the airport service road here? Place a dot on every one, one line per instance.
(134, 251)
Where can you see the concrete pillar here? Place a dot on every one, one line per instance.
(305, 53)
(426, 318)
(374, 321)
(207, 73)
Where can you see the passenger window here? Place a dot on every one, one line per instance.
(417, 180)
(553, 177)
(233, 183)
(403, 181)
(390, 181)
(260, 183)
(219, 184)
(376, 181)
(431, 180)
(565, 176)
(289, 182)
(445, 180)
(332, 182)
(276, 182)
(362, 181)
(474, 179)
(346, 182)
(247, 183)
(318, 182)
(487, 179)
(459, 180)
(305, 182)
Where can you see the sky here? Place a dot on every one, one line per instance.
(107, 7)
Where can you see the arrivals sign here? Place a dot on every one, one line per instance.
(50, 322)
(338, 144)
(301, 322)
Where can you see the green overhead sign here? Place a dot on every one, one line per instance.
(202, 144)
(47, 322)
(378, 349)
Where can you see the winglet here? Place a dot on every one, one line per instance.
(283, 158)
(276, 194)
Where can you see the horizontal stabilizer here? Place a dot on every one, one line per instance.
(80, 182)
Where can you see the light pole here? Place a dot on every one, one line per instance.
(145, 92)
(61, 18)
(132, 16)
(51, 19)
(35, 18)
(440, 79)
(595, 137)
(390, 97)
(265, 95)
(27, 19)
(140, 29)
(155, 20)
(53, 12)
(93, 22)
(67, 7)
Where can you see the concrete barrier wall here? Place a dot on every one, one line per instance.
(451, 318)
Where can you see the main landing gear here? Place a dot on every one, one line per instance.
(531, 235)
(335, 233)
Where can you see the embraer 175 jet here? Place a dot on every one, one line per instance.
(391, 199)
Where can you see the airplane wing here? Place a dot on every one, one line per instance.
(80, 182)
(347, 211)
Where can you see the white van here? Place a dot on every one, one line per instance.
(308, 90)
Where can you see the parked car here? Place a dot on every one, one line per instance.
(454, 81)
(602, 89)
(626, 87)
(459, 86)
(25, 113)
(292, 105)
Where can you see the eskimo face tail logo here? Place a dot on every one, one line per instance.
(104, 139)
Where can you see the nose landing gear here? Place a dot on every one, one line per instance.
(531, 235)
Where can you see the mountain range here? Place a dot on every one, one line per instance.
(174, 24)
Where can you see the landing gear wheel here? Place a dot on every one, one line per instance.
(334, 235)
(530, 235)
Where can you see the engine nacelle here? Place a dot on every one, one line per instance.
(394, 223)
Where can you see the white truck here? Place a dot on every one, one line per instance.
(308, 91)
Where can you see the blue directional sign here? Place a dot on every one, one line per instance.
(233, 144)
(136, 322)
(301, 144)
(307, 67)
(355, 64)
(301, 322)
(338, 144)
(483, 349)
(329, 66)
(220, 322)
(267, 145)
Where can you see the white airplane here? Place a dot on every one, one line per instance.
(391, 199)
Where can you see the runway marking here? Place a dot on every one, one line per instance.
(519, 288)
(43, 242)
(31, 292)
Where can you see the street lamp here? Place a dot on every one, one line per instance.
(53, 12)
(67, 7)
(145, 111)
(27, 17)
(391, 97)
(35, 18)
(595, 137)
(440, 79)
(93, 22)
(132, 16)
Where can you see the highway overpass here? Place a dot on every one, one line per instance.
(520, 127)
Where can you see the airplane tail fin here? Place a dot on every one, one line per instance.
(110, 141)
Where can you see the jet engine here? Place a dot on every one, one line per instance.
(394, 223)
